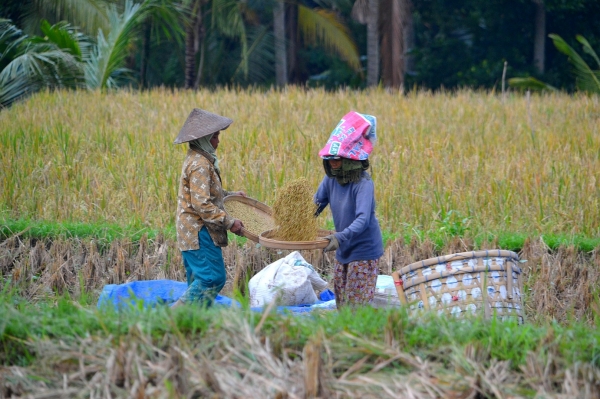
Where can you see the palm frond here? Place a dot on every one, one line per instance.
(30, 64)
(168, 17)
(13, 85)
(11, 90)
(586, 78)
(260, 58)
(39, 66)
(88, 15)
(47, 64)
(588, 49)
(105, 65)
(530, 83)
(11, 38)
(227, 16)
(62, 35)
(322, 26)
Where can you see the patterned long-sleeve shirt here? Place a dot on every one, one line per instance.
(200, 202)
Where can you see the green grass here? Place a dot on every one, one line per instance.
(106, 232)
(62, 319)
(102, 231)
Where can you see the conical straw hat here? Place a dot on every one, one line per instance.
(201, 123)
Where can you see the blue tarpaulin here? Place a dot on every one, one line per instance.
(155, 292)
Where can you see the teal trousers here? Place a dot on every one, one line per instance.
(205, 271)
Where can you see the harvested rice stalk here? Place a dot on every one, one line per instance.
(294, 211)
(254, 221)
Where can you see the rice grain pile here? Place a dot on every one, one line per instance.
(294, 211)
(254, 221)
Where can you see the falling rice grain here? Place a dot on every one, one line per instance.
(294, 211)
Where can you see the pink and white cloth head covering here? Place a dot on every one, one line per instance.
(352, 138)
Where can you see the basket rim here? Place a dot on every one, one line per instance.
(414, 281)
(319, 243)
(250, 201)
(488, 253)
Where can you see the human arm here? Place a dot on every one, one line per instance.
(363, 198)
(321, 198)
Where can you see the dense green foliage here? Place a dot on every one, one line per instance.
(456, 43)
(465, 43)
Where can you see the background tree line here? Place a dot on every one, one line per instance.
(354, 43)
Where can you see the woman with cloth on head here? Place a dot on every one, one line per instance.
(202, 222)
(349, 191)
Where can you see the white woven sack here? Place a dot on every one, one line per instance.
(386, 295)
(289, 281)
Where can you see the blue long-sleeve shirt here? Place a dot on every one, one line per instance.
(353, 208)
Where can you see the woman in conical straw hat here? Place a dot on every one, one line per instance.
(202, 222)
(349, 191)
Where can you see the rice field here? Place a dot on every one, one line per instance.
(464, 163)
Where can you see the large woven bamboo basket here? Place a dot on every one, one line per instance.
(256, 216)
(479, 283)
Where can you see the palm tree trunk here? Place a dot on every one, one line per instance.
(199, 46)
(280, 50)
(392, 42)
(397, 46)
(409, 40)
(539, 42)
(191, 43)
(200, 68)
(146, 30)
(292, 43)
(190, 57)
(373, 43)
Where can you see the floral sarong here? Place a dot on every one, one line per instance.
(354, 283)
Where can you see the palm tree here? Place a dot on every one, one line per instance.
(209, 24)
(230, 18)
(394, 25)
(315, 26)
(373, 43)
(65, 58)
(280, 47)
(587, 79)
(388, 22)
(102, 19)
(87, 15)
(194, 35)
(366, 12)
(29, 64)
(105, 67)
